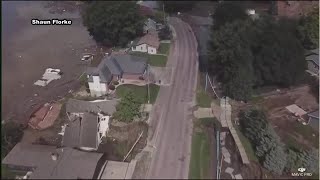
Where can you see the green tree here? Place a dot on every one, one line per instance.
(246, 54)
(231, 59)
(253, 122)
(309, 29)
(113, 23)
(228, 12)
(279, 56)
(276, 159)
(177, 6)
(308, 159)
(128, 108)
(165, 33)
(11, 134)
(267, 140)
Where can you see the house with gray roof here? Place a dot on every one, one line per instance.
(82, 132)
(50, 162)
(115, 68)
(312, 58)
(313, 120)
(149, 26)
(75, 106)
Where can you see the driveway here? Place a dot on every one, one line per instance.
(171, 118)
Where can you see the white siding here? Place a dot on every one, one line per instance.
(140, 48)
(152, 50)
(97, 88)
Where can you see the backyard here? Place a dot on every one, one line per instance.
(153, 59)
(164, 48)
(141, 92)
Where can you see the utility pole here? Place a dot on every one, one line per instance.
(205, 89)
(164, 14)
(148, 66)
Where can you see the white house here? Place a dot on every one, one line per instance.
(115, 67)
(149, 43)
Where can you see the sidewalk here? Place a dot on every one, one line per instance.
(225, 120)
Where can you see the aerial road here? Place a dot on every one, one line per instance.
(171, 119)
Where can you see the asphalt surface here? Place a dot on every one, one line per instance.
(171, 118)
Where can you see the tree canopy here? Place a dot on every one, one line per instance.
(128, 108)
(177, 6)
(246, 54)
(267, 144)
(113, 23)
(227, 12)
(309, 29)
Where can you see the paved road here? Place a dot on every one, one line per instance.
(171, 118)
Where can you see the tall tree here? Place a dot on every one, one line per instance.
(128, 108)
(279, 56)
(113, 23)
(177, 6)
(276, 159)
(231, 59)
(309, 29)
(253, 122)
(228, 12)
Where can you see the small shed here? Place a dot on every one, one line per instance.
(313, 119)
(296, 110)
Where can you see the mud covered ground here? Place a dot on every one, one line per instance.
(30, 49)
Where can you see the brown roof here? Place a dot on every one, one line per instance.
(151, 39)
(45, 116)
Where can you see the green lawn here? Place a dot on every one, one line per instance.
(200, 150)
(307, 132)
(157, 60)
(153, 59)
(139, 91)
(203, 99)
(200, 156)
(164, 48)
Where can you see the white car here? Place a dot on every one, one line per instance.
(87, 57)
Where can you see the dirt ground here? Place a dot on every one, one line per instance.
(32, 49)
(281, 119)
(121, 138)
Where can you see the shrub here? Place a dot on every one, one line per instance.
(112, 87)
(115, 83)
(276, 159)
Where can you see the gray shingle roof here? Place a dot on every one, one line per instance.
(131, 64)
(314, 58)
(113, 66)
(71, 163)
(315, 51)
(117, 65)
(150, 25)
(82, 132)
(79, 106)
(314, 114)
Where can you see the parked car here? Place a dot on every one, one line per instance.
(87, 57)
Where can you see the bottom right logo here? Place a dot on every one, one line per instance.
(302, 172)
